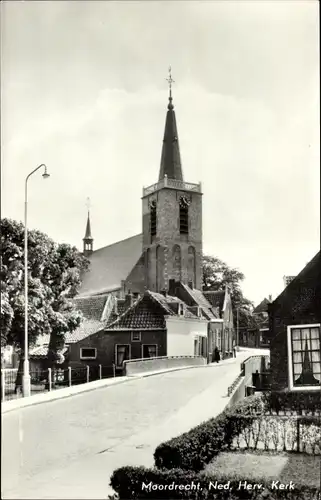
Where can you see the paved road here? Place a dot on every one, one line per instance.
(68, 448)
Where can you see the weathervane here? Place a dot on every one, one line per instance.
(170, 81)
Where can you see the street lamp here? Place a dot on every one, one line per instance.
(237, 328)
(26, 373)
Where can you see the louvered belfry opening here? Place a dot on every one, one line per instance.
(183, 216)
(153, 219)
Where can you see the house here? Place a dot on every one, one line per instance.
(221, 329)
(96, 311)
(294, 322)
(262, 317)
(154, 325)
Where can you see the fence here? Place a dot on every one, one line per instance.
(279, 433)
(49, 380)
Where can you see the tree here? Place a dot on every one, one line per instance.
(54, 272)
(216, 275)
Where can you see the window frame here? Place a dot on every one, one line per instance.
(143, 345)
(130, 354)
(88, 357)
(292, 387)
(132, 337)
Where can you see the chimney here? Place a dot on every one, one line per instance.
(128, 300)
(164, 292)
(171, 286)
(191, 285)
(270, 298)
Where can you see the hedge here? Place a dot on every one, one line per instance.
(295, 402)
(130, 483)
(197, 447)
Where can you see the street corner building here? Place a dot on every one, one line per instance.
(294, 322)
(142, 296)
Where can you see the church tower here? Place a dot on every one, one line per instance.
(172, 218)
(88, 240)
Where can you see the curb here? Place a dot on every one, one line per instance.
(24, 403)
(9, 406)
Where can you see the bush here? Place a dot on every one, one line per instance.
(295, 402)
(132, 483)
(197, 447)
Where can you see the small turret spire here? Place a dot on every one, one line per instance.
(88, 239)
(171, 158)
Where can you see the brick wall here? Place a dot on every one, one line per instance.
(299, 304)
(105, 343)
(168, 236)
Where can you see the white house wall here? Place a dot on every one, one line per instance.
(181, 333)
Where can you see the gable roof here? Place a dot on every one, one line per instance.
(42, 351)
(201, 301)
(168, 301)
(92, 306)
(118, 310)
(309, 276)
(110, 265)
(86, 328)
(141, 315)
(216, 298)
(262, 307)
(148, 313)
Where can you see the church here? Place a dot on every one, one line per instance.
(170, 246)
(142, 296)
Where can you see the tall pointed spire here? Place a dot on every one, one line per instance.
(171, 159)
(88, 239)
(88, 229)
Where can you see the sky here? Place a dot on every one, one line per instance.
(84, 91)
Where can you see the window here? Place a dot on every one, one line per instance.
(183, 215)
(149, 351)
(122, 354)
(153, 218)
(88, 353)
(136, 336)
(304, 353)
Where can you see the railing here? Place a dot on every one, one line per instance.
(49, 380)
(172, 184)
(247, 369)
(134, 366)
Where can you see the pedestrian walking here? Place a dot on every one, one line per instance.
(216, 355)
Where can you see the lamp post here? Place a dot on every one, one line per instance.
(237, 328)
(26, 373)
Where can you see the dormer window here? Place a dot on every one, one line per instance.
(183, 215)
(153, 219)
